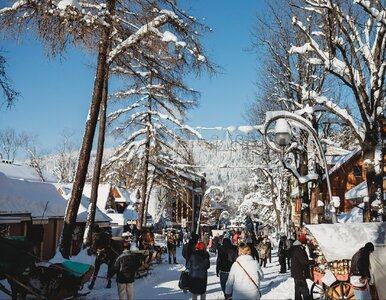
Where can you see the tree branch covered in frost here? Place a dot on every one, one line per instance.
(354, 53)
(378, 14)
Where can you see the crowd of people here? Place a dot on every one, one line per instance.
(241, 259)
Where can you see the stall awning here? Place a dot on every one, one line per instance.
(341, 241)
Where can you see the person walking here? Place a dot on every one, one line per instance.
(244, 277)
(263, 252)
(282, 253)
(189, 247)
(172, 246)
(269, 250)
(227, 254)
(126, 266)
(198, 266)
(360, 272)
(300, 269)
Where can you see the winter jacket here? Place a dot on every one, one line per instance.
(239, 284)
(171, 242)
(300, 263)
(360, 264)
(284, 247)
(263, 250)
(227, 255)
(188, 248)
(198, 266)
(126, 266)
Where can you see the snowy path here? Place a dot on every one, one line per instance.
(162, 283)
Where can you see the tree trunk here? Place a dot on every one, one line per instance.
(303, 190)
(148, 193)
(98, 164)
(373, 176)
(141, 209)
(85, 151)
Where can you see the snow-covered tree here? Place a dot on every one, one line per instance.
(152, 106)
(113, 27)
(348, 39)
(65, 159)
(10, 95)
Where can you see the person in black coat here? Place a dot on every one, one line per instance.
(282, 252)
(198, 266)
(360, 272)
(300, 270)
(126, 266)
(227, 254)
(189, 247)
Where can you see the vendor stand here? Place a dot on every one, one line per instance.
(332, 247)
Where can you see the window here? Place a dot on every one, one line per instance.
(358, 171)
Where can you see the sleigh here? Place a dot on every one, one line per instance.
(29, 278)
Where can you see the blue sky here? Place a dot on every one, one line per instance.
(56, 93)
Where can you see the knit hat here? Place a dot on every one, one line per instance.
(302, 238)
(200, 246)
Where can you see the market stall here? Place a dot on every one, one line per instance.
(332, 247)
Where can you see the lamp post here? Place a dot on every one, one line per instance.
(283, 135)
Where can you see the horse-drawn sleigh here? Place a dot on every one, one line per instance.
(29, 277)
(332, 247)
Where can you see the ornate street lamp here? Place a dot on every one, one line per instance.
(282, 135)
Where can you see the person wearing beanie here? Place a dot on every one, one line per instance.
(126, 266)
(189, 247)
(198, 266)
(300, 269)
(360, 272)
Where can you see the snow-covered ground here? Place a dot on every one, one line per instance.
(162, 283)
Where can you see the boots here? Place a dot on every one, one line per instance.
(170, 260)
(174, 260)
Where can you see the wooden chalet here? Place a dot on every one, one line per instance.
(186, 204)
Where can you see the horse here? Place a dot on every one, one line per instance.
(105, 254)
(146, 242)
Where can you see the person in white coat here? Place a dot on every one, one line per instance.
(244, 277)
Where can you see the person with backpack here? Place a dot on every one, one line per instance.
(126, 266)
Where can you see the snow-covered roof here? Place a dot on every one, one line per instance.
(335, 151)
(355, 215)
(343, 160)
(103, 194)
(341, 241)
(16, 171)
(40, 199)
(120, 219)
(357, 192)
(100, 216)
(126, 195)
